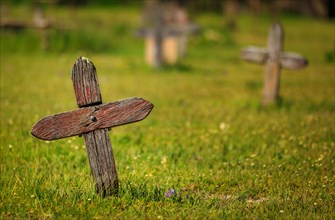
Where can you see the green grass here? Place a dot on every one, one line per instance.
(208, 136)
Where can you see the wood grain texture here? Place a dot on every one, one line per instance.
(101, 160)
(93, 120)
(85, 83)
(98, 144)
(88, 119)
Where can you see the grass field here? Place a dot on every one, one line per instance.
(208, 137)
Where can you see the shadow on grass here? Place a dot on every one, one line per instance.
(132, 192)
(140, 191)
(179, 67)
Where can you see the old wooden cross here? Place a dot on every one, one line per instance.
(275, 59)
(93, 120)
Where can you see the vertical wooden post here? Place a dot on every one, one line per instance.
(170, 49)
(274, 59)
(93, 120)
(98, 144)
(157, 50)
(272, 68)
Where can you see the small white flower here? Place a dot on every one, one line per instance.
(164, 160)
(222, 126)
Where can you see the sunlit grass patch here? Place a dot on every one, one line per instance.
(209, 149)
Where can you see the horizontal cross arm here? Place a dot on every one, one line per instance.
(288, 60)
(255, 54)
(169, 31)
(91, 118)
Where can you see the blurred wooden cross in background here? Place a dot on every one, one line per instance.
(274, 59)
(166, 27)
(93, 120)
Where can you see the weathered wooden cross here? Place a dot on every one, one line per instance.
(274, 60)
(93, 120)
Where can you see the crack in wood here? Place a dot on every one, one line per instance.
(93, 120)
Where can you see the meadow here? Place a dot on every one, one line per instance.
(208, 137)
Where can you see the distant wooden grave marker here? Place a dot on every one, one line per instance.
(274, 59)
(93, 120)
(39, 23)
(165, 32)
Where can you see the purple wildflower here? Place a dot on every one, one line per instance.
(170, 193)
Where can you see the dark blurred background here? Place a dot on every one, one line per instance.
(315, 8)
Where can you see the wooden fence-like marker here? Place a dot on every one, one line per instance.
(93, 120)
(274, 59)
